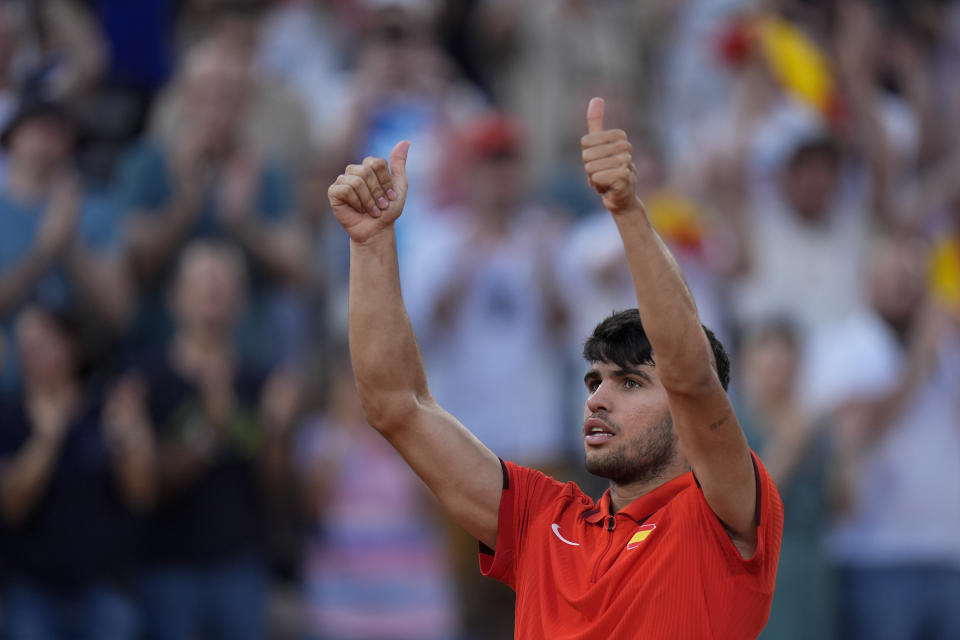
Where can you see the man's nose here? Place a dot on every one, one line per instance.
(599, 399)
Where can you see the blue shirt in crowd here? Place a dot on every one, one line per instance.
(97, 229)
(145, 185)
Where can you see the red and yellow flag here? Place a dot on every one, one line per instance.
(642, 533)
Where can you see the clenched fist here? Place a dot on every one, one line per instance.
(608, 159)
(369, 197)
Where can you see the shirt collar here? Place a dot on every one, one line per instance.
(641, 508)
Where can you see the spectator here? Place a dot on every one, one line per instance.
(797, 238)
(73, 468)
(209, 183)
(275, 123)
(486, 302)
(221, 428)
(890, 377)
(794, 448)
(56, 243)
(61, 54)
(535, 52)
(10, 33)
(403, 85)
(376, 564)
(304, 46)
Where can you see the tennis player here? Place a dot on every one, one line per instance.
(684, 543)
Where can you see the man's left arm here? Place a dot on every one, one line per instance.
(704, 420)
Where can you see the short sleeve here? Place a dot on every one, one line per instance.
(525, 493)
(761, 567)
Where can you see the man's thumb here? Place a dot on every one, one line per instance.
(398, 160)
(595, 115)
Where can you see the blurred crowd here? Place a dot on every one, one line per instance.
(182, 450)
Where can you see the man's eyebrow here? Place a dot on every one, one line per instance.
(591, 375)
(630, 371)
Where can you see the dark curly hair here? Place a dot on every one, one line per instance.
(620, 339)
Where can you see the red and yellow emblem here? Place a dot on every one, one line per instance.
(641, 535)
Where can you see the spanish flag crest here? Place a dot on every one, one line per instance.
(642, 534)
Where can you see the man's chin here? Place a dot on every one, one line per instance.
(597, 464)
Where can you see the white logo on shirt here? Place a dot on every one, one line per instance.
(556, 532)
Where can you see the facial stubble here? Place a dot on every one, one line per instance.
(642, 459)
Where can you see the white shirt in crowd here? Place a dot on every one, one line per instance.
(906, 493)
(496, 367)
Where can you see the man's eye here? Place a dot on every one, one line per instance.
(592, 386)
(630, 383)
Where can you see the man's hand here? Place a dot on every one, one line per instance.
(238, 189)
(190, 172)
(608, 159)
(50, 416)
(369, 197)
(125, 422)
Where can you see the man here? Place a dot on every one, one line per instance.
(59, 245)
(76, 468)
(663, 554)
(209, 182)
(221, 432)
(483, 300)
(888, 376)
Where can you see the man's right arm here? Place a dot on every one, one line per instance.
(464, 474)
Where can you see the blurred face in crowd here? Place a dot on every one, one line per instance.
(810, 182)
(238, 32)
(897, 279)
(209, 289)
(9, 39)
(42, 143)
(217, 92)
(495, 182)
(399, 47)
(628, 429)
(770, 361)
(46, 353)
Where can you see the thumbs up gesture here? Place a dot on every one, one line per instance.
(608, 159)
(367, 198)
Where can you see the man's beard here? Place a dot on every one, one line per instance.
(642, 459)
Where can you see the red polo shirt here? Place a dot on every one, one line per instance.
(662, 568)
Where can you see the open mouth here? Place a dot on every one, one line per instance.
(596, 431)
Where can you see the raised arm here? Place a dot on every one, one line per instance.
(56, 234)
(463, 474)
(706, 426)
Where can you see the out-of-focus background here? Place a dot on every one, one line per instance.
(182, 451)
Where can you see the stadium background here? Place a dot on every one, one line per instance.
(163, 182)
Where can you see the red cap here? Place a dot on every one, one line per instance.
(492, 134)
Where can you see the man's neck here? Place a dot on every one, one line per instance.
(490, 224)
(63, 388)
(622, 495)
(193, 345)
